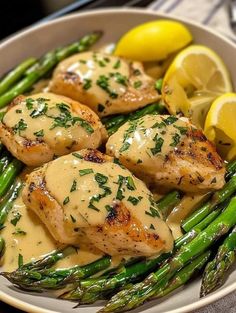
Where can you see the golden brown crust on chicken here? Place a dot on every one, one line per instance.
(169, 152)
(36, 141)
(114, 226)
(110, 90)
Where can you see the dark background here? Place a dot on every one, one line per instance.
(17, 14)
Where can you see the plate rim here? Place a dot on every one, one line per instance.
(217, 295)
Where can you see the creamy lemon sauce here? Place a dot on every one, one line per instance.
(48, 118)
(89, 191)
(143, 144)
(30, 238)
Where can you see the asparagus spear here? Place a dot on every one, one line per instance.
(8, 176)
(184, 275)
(92, 289)
(168, 202)
(6, 205)
(14, 75)
(215, 270)
(38, 280)
(46, 65)
(217, 198)
(2, 246)
(137, 294)
(113, 123)
(49, 259)
(4, 160)
(230, 170)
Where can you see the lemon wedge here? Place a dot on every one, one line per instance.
(195, 78)
(153, 41)
(220, 125)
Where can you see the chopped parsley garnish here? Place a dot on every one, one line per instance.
(73, 219)
(39, 133)
(21, 125)
(159, 125)
(119, 194)
(170, 120)
(20, 260)
(103, 82)
(158, 145)
(29, 103)
(116, 65)
(175, 140)
(77, 155)
(101, 108)
(121, 79)
(153, 212)
(18, 111)
(152, 227)
(85, 171)
(101, 63)
(130, 183)
(128, 132)
(137, 84)
(66, 200)
(16, 219)
(124, 147)
(19, 231)
(83, 61)
(91, 206)
(182, 130)
(73, 186)
(108, 207)
(87, 83)
(101, 179)
(136, 72)
(41, 110)
(65, 119)
(133, 200)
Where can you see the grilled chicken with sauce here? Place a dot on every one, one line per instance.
(99, 202)
(168, 151)
(37, 128)
(105, 83)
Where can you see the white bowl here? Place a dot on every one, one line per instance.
(114, 22)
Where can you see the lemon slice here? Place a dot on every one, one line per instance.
(194, 79)
(220, 125)
(153, 41)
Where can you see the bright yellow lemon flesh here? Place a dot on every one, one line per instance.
(153, 41)
(220, 125)
(195, 78)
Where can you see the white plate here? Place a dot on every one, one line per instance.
(114, 22)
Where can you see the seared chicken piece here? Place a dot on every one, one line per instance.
(168, 151)
(107, 84)
(87, 197)
(37, 128)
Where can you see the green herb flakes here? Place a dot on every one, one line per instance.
(66, 200)
(73, 186)
(85, 171)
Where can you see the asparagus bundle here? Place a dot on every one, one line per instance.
(215, 270)
(41, 68)
(14, 75)
(155, 282)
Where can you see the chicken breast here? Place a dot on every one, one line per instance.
(87, 197)
(168, 151)
(107, 84)
(37, 128)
